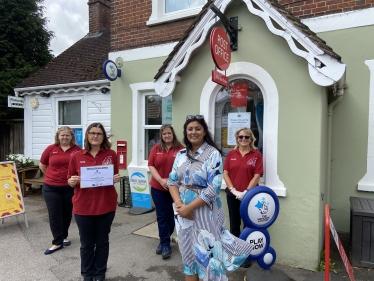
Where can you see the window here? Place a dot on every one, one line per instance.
(69, 113)
(152, 112)
(170, 10)
(177, 5)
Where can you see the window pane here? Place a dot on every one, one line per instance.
(177, 5)
(223, 106)
(69, 112)
(158, 110)
(152, 138)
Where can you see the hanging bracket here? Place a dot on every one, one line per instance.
(231, 27)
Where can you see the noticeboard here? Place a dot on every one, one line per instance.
(11, 200)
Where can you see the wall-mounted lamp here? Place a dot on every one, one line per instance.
(105, 90)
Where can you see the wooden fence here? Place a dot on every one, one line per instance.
(11, 137)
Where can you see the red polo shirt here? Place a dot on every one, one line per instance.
(243, 168)
(57, 162)
(96, 200)
(163, 162)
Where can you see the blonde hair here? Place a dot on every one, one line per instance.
(250, 133)
(65, 128)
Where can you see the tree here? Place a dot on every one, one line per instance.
(24, 42)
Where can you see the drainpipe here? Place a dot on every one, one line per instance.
(339, 91)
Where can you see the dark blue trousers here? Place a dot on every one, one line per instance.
(165, 215)
(59, 205)
(233, 205)
(94, 235)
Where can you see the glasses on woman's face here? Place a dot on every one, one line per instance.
(95, 134)
(246, 137)
(189, 117)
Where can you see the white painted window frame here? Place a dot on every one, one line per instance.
(57, 99)
(250, 71)
(139, 92)
(159, 16)
(367, 182)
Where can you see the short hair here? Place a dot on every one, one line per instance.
(207, 138)
(162, 145)
(65, 128)
(250, 133)
(105, 144)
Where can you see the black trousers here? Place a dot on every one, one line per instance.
(94, 236)
(59, 205)
(233, 205)
(165, 215)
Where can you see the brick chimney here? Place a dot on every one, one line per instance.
(99, 15)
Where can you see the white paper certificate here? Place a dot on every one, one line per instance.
(96, 176)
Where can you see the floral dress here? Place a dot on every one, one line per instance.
(207, 247)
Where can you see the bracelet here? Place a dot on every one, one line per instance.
(178, 200)
(231, 188)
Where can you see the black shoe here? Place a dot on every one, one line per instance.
(159, 249)
(246, 264)
(166, 252)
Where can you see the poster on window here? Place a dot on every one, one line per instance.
(167, 110)
(79, 137)
(239, 93)
(235, 122)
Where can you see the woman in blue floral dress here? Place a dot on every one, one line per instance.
(208, 249)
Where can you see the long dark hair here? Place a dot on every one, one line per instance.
(106, 144)
(162, 145)
(207, 138)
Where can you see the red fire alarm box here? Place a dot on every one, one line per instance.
(122, 154)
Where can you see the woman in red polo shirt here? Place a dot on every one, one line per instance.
(242, 171)
(94, 207)
(160, 163)
(57, 194)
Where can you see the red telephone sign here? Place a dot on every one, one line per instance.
(220, 48)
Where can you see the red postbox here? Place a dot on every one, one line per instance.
(122, 154)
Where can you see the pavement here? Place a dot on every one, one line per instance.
(133, 241)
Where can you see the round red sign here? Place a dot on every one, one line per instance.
(220, 48)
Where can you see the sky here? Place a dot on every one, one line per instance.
(68, 19)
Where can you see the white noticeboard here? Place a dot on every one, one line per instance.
(16, 102)
(235, 122)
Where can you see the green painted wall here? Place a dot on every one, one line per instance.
(350, 121)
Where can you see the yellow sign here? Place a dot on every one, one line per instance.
(11, 201)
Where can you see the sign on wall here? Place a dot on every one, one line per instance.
(16, 102)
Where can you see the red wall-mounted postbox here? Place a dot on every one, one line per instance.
(122, 154)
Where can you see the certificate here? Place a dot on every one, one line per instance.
(97, 176)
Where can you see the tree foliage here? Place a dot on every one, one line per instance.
(24, 42)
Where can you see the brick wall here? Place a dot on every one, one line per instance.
(315, 8)
(129, 29)
(98, 15)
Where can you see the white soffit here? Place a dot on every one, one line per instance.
(332, 71)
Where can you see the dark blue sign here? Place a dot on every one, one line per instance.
(79, 137)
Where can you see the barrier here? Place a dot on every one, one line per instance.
(329, 226)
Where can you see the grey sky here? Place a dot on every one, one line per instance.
(68, 19)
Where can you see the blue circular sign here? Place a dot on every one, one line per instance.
(110, 70)
(259, 207)
(258, 238)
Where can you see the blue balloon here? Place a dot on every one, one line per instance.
(267, 259)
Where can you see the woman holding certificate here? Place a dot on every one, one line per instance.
(94, 200)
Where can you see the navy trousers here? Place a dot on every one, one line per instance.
(94, 236)
(165, 215)
(233, 205)
(59, 205)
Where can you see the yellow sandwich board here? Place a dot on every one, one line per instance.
(11, 200)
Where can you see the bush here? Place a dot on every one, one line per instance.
(20, 160)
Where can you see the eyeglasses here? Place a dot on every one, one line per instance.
(246, 137)
(95, 134)
(189, 117)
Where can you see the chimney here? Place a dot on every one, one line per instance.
(99, 15)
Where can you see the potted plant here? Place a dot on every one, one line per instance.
(20, 160)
